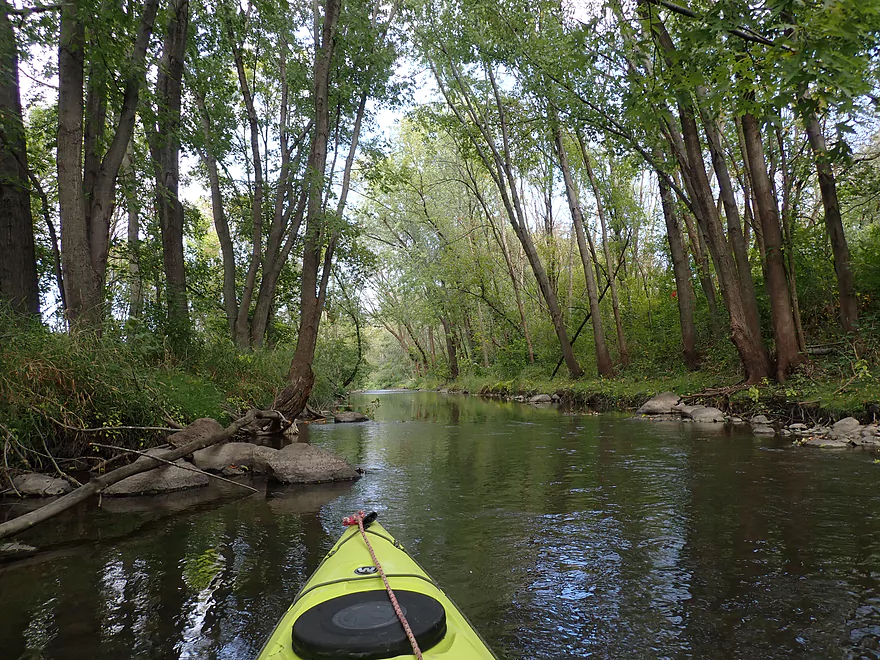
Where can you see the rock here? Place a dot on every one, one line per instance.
(824, 443)
(262, 456)
(555, 398)
(785, 433)
(165, 479)
(33, 484)
(759, 420)
(688, 411)
(708, 414)
(737, 420)
(16, 548)
(519, 398)
(349, 416)
(661, 404)
(797, 426)
(301, 463)
(219, 457)
(763, 429)
(198, 429)
(541, 398)
(845, 427)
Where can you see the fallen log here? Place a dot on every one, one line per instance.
(25, 522)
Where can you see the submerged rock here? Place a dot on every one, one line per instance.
(826, 443)
(348, 416)
(541, 398)
(661, 404)
(33, 484)
(301, 463)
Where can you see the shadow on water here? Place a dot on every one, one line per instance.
(558, 535)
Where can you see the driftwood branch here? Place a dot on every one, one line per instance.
(97, 485)
(191, 468)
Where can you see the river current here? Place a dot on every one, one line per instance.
(558, 535)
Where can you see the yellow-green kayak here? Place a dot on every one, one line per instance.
(344, 611)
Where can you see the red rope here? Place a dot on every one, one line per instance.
(358, 519)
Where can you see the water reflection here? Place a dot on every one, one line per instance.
(559, 536)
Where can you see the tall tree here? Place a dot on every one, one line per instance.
(18, 267)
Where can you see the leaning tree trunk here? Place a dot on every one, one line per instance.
(682, 272)
(849, 307)
(451, 351)
(787, 356)
(18, 266)
(301, 379)
(603, 359)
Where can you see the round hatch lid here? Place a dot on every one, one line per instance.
(363, 625)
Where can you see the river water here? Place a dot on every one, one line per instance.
(559, 536)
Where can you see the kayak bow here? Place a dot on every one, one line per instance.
(344, 611)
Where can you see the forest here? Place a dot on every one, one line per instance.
(211, 206)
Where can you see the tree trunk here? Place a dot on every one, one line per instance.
(603, 359)
(85, 222)
(450, 348)
(787, 355)
(292, 399)
(680, 268)
(18, 266)
(165, 145)
(849, 307)
(600, 210)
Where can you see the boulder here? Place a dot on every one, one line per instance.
(219, 457)
(737, 420)
(688, 411)
(759, 420)
(33, 484)
(707, 414)
(165, 479)
(262, 456)
(301, 463)
(555, 398)
(844, 427)
(661, 404)
(198, 429)
(348, 416)
(763, 429)
(798, 426)
(541, 398)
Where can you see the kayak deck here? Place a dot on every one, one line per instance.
(344, 571)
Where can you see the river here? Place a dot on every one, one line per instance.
(558, 535)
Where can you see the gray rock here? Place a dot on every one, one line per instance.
(737, 420)
(301, 463)
(763, 429)
(825, 443)
(708, 414)
(348, 416)
(785, 433)
(845, 427)
(555, 398)
(797, 426)
(661, 404)
(688, 411)
(870, 431)
(200, 428)
(166, 479)
(519, 398)
(33, 484)
(541, 398)
(219, 457)
(759, 420)
(262, 456)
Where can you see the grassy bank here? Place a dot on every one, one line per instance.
(53, 383)
(827, 388)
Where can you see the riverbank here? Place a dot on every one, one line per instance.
(819, 395)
